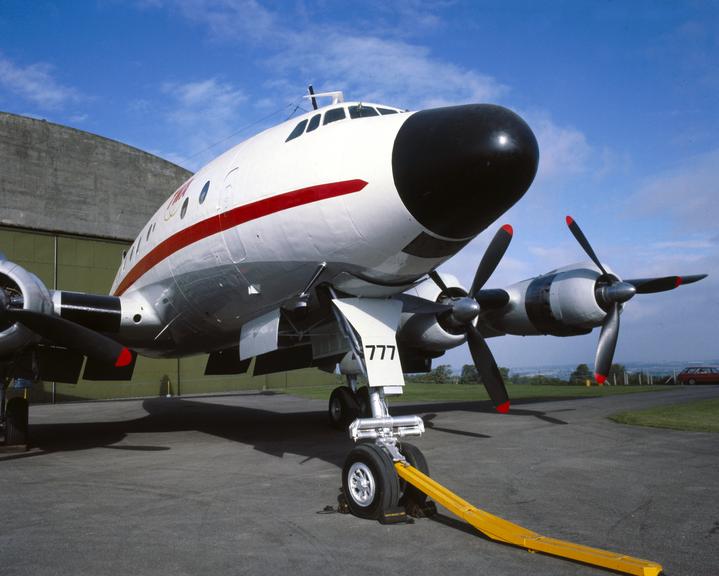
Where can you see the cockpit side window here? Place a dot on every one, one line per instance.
(314, 122)
(299, 129)
(361, 111)
(384, 111)
(334, 115)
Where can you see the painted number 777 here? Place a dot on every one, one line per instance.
(383, 349)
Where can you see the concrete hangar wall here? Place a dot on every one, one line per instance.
(70, 203)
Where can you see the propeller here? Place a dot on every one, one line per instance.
(612, 293)
(69, 334)
(462, 310)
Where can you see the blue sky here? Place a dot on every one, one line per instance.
(623, 96)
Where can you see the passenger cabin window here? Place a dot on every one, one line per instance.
(203, 192)
(334, 115)
(314, 122)
(384, 111)
(149, 229)
(183, 210)
(299, 129)
(362, 111)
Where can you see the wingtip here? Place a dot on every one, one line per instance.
(124, 358)
(600, 378)
(508, 229)
(503, 408)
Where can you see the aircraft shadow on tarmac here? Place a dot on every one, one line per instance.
(304, 433)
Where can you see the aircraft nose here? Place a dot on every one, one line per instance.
(457, 169)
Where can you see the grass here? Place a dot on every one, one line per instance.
(418, 392)
(698, 416)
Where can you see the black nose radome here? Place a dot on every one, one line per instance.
(457, 169)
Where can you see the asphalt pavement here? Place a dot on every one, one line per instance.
(239, 485)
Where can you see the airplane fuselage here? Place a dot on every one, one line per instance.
(247, 231)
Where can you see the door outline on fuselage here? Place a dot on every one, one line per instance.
(230, 236)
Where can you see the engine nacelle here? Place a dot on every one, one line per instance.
(561, 303)
(19, 285)
(424, 331)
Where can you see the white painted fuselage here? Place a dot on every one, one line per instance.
(247, 231)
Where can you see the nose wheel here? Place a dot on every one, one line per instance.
(372, 488)
(369, 482)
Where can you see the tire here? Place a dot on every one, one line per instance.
(16, 422)
(363, 402)
(413, 498)
(342, 408)
(691, 381)
(369, 482)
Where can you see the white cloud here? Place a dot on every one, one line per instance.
(36, 84)
(226, 19)
(204, 113)
(697, 244)
(377, 69)
(563, 151)
(687, 194)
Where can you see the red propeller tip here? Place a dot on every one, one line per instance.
(570, 220)
(678, 282)
(508, 229)
(503, 407)
(601, 379)
(124, 358)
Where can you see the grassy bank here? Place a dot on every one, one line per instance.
(465, 392)
(698, 416)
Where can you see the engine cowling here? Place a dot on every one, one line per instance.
(563, 302)
(21, 289)
(428, 332)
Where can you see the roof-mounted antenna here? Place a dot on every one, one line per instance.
(336, 96)
(311, 90)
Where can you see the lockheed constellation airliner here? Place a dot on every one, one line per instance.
(317, 243)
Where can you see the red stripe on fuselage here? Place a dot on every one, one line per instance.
(235, 217)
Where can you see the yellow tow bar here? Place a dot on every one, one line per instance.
(504, 531)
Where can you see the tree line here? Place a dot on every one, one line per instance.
(443, 374)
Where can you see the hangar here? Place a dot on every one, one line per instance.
(70, 203)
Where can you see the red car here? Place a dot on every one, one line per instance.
(699, 375)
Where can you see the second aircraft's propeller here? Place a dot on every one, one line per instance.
(462, 311)
(612, 293)
(66, 333)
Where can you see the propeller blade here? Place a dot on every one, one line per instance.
(439, 282)
(488, 370)
(71, 335)
(496, 249)
(417, 305)
(607, 344)
(584, 243)
(652, 285)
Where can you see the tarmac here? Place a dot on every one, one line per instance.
(239, 485)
